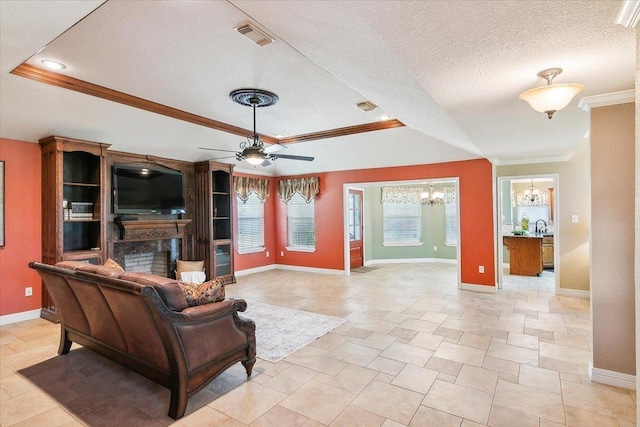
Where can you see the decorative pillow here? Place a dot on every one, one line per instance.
(196, 277)
(207, 292)
(112, 264)
(189, 266)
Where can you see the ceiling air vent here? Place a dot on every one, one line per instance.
(366, 106)
(254, 34)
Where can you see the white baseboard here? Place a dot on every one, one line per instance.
(310, 269)
(255, 270)
(613, 378)
(478, 288)
(410, 261)
(573, 293)
(19, 317)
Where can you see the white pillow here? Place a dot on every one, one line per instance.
(196, 277)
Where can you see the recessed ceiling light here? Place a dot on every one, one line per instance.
(384, 117)
(53, 65)
(279, 136)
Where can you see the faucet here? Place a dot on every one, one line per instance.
(543, 229)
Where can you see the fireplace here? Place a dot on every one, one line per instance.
(149, 246)
(157, 263)
(142, 256)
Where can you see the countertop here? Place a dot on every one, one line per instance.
(530, 235)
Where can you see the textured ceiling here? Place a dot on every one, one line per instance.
(450, 70)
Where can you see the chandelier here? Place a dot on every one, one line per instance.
(551, 98)
(431, 197)
(532, 197)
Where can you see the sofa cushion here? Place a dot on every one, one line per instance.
(90, 268)
(196, 277)
(112, 264)
(189, 266)
(169, 290)
(205, 293)
(72, 265)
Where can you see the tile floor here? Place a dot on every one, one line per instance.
(415, 351)
(545, 282)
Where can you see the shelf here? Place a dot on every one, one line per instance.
(82, 220)
(81, 184)
(220, 242)
(220, 217)
(220, 193)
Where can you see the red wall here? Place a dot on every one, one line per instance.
(259, 259)
(23, 233)
(476, 216)
(23, 224)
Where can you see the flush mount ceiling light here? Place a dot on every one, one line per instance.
(551, 98)
(53, 65)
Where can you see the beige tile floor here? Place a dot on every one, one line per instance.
(415, 351)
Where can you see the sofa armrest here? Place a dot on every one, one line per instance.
(214, 309)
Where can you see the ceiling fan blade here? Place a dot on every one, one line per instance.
(273, 148)
(265, 163)
(286, 156)
(216, 149)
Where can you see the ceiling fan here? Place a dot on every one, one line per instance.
(253, 150)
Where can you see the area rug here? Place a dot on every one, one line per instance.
(280, 331)
(364, 269)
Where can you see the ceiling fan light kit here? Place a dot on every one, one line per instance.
(552, 97)
(253, 149)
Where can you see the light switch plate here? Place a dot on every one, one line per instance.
(574, 219)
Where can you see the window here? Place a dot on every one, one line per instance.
(250, 224)
(534, 213)
(450, 217)
(401, 222)
(301, 226)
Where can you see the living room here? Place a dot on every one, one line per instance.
(581, 257)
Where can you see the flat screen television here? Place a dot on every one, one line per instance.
(143, 190)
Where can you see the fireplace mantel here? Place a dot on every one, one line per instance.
(133, 231)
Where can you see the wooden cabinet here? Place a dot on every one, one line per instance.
(547, 252)
(73, 212)
(525, 255)
(214, 219)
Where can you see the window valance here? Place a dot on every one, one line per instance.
(401, 194)
(243, 186)
(306, 187)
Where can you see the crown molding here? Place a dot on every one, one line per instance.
(624, 96)
(533, 160)
(88, 88)
(629, 14)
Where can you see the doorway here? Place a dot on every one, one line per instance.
(431, 233)
(528, 209)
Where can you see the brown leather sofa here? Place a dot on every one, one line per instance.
(142, 321)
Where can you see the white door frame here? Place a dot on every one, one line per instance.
(361, 186)
(556, 223)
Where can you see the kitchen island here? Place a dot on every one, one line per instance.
(525, 254)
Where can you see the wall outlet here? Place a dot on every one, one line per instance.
(281, 253)
(28, 291)
(267, 254)
(481, 269)
(435, 248)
